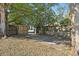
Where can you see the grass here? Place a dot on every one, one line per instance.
(25, 47)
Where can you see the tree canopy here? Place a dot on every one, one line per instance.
(37, 15)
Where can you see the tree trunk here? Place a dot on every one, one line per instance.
(73, 31)
(74, 34)
(37, 30)
(72, 17)
(3, 21)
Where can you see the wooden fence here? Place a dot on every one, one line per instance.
(17, 30)
(12, 30)
(22, 29)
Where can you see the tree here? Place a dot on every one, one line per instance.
(72, 17)
(3, 20)
(74, 34)
(42, 15)
(21, 13)
(37, 15)
(65, 22)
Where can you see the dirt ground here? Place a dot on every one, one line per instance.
(13, 46)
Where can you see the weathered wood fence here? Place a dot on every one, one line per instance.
(17, 30)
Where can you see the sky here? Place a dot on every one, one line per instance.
(64, 5)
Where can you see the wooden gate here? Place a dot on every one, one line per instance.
(22, 29)
(12, 30)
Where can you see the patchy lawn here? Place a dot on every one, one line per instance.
(25, 47)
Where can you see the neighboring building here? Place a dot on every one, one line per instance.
(32, 30)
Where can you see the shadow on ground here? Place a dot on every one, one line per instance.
(45, 38)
